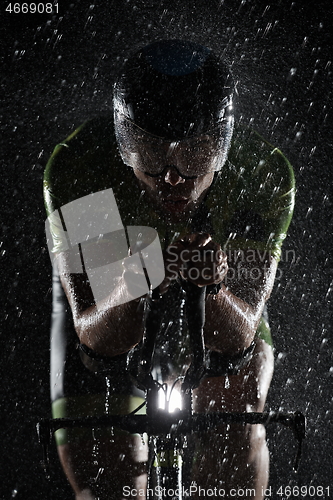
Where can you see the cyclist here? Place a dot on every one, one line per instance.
(221, 199)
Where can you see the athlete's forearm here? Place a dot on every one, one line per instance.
(230, 323)
(233, 315)
(111, 330)
(106, 328)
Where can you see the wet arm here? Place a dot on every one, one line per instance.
(108, 329)
(233, 315)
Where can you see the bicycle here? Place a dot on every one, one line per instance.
(167, 432)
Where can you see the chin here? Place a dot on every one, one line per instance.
(177, 215)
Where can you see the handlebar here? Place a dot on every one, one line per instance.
(177, 423)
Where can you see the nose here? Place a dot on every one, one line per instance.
(172, 176)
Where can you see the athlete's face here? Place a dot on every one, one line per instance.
(176, 196)
(175, 174)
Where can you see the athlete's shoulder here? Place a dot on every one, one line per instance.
(258, 161)
(92, 135)
(255, 189)
(255, 170)
(82, 163)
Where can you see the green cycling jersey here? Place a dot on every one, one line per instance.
(248, 206)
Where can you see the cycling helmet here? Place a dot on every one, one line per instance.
(173, 90)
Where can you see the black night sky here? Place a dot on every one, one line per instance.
(57, 70)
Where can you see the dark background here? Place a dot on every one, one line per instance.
(57, 71)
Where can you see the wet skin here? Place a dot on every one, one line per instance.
(177, 197)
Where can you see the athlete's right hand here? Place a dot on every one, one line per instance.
(196, 258)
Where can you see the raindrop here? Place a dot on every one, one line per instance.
(329, 290)
(227, 382)
(305, 41)
(309, 211)
(107, 395)
(281, 356)
(268, 27)
(211, 403)
(313, 150)
(100, 471)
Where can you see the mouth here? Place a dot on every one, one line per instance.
(175, 205)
